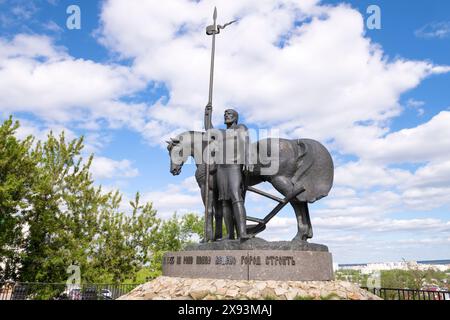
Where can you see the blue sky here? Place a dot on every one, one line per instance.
(128, 80)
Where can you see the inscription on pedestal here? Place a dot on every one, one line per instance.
(230, 260)
(249, 265)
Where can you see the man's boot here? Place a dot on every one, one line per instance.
(241, 219)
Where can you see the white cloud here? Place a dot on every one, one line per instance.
(38, 77)
(93, 141)
(426, 142)
(30, 47)
(426, 188)
(40, 132)
(383, 225)
(434, 174)
(438, 30)
(413, 103)
(365, 175)
(270, 85)
(24, 10)
(425, 241)
(280, 228)
(53, 27)
(426, 198)
(182, 199)
(105, 168)
(253, 73)
(326, 81)
(416, 104)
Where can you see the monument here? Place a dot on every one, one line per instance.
(228, 166)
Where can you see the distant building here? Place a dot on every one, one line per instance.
(367, 268)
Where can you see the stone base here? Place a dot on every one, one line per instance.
(257, 244)
(282, 265)
(168, 288)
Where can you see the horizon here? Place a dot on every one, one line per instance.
(447, 261)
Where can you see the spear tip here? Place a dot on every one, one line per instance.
(215, 13)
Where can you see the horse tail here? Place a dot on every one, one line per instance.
(304, 161)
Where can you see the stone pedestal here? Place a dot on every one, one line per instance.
(171, 288)
(255, 259)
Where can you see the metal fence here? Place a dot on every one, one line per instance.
(409, 294)
(58, 291)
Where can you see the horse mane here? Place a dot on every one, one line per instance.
(174, 141)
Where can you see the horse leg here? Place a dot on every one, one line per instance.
(303, 221)
(285, 186)
(308, 221)
(209, 215)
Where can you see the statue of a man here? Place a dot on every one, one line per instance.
(229, 174)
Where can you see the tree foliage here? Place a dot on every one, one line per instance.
(411, 278)
(17, 168)
(53, 216)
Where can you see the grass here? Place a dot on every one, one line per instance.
(304, 298)
(270, 298)
(331, 296)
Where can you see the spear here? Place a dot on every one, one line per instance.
(210, 30)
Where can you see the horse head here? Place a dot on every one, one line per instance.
(185, 145)
(177, 159)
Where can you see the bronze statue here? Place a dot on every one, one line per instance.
(305, 175)
(229, 173)
(228, 166)
(304, 171)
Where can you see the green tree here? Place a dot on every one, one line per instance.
(173, 235)
(17, 168)
(71, 221)
(53, 215)
(124, 242)
(61, 220)
(413, 278)
(192, 228)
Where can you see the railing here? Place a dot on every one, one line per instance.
(58, 291)
(409, 294)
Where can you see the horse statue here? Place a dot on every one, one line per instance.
(301, 163)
